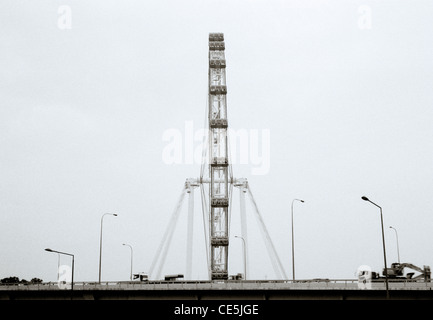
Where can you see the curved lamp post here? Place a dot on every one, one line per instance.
(245, 255)
(293, 241)
(68, 254)
(100, 243)
(398, 250)
(383, 243)
(128, 245)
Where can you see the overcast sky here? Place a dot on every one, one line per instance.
(88, 89)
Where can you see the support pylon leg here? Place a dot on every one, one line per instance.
(190, 234)
(242, 191)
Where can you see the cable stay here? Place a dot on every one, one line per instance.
(276, 263)
(204, 203)
(166, 239)
(230, 207)
(205, 214)
(229, 156)
(205, 141)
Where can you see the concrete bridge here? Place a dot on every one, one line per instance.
(317, 289)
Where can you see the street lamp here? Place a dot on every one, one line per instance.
(245, 256)
(100, 243)
(68, 254)
(383, 243)
(293, 241)
(125, 244)
(398, 250)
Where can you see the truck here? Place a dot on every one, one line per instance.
(396, 272)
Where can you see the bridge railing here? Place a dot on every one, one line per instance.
(312, 284)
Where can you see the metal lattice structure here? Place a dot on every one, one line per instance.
(219, 196)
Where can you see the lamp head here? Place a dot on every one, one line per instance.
(48, 249)
(365, 198)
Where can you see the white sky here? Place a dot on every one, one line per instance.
(83, 112)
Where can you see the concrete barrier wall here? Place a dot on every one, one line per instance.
(222, 285)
